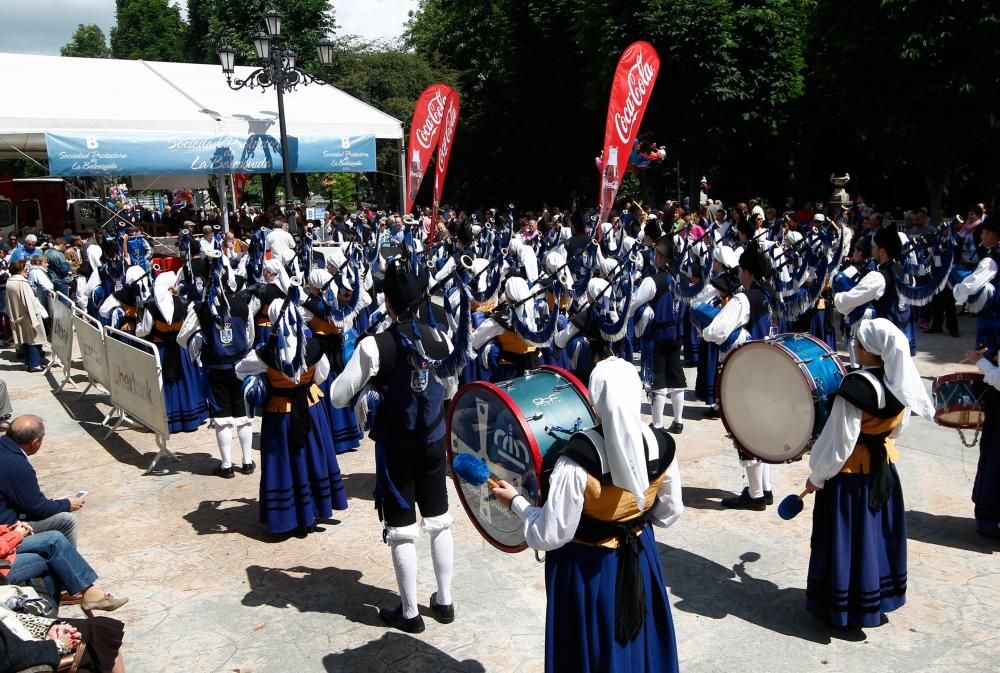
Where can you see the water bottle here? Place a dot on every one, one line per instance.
(610, 186)
(416, 175)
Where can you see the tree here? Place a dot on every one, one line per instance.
(390, 80)
(148, 29)
(199, 14)
(534, 76)
(926, 108)
(235, 23)
(87, 42)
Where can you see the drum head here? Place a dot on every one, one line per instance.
(767, 402)
(512, 426)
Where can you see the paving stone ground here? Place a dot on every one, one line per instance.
(211, 592)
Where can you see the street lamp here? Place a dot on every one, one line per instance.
(277, 69)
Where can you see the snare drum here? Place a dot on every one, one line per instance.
(513, 425)
(774, 394)
(958, 400)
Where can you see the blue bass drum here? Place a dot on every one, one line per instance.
(775, 394)
(512, 426)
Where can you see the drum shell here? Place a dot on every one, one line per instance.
(508, 425)
(767, 403)
(958, 400)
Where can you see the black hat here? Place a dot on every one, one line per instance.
(402, 289)
(887, 239)
(754, 262)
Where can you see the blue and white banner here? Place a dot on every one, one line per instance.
(183, 154)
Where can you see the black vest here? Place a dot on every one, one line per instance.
(412, 408)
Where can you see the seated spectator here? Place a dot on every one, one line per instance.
(27, 640)
(20, 495)
(50, 557)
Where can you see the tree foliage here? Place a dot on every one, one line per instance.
(87, 42)
(148, 29)
(910, 85)
(534, 76)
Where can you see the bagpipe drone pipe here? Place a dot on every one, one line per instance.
(935, 252)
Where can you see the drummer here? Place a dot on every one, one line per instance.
(749, 316)
(409, 445)
(857, 565)
(607, 601)
(981, 291)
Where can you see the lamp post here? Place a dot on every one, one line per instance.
(277, 69)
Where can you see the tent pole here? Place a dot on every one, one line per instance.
(223, 202)
(232, 188)
(402, 177)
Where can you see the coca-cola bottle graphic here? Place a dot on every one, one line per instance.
(610, 185)
(416, 175)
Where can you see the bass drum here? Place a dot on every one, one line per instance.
(775, 394)
(513, 425)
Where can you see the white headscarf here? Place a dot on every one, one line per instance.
(616, 391)
(725, 256)
(137, 275)
(94, 254)
(882, 338)
(516, 291)
(162, 294)
(275, 266)
(318, 278)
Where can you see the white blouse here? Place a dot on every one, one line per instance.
(554, 524)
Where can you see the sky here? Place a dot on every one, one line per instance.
(43, 26)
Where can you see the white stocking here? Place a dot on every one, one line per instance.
(656, 402)
(225, 439)
(244, 429)
(755, 479)
(677, 402)
(443, 555)
(766, 476)
(404, 561)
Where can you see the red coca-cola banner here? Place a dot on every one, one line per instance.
(630, 92)
(425, 131)
(452, 108)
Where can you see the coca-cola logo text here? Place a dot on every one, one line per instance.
(640, 79)
(435, 113)
(449, 132)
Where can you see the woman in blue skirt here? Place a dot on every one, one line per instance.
(300, 477)
(184, 382)
(857, 568)
(607, 610)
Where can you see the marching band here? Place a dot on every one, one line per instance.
(377, 330)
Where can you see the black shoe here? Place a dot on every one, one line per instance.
(711, 412)
(445, 614)
(954, 333)
(33, 370)
(933, 330)
(224, 472)
(676, 428)
(249, 468)
(395, 619)
(769, 497)
(744, 501)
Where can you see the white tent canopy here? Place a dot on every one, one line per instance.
(60, 94)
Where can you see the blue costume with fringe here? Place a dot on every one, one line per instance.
(300, 477)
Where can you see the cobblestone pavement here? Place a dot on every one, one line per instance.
(212, 593)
